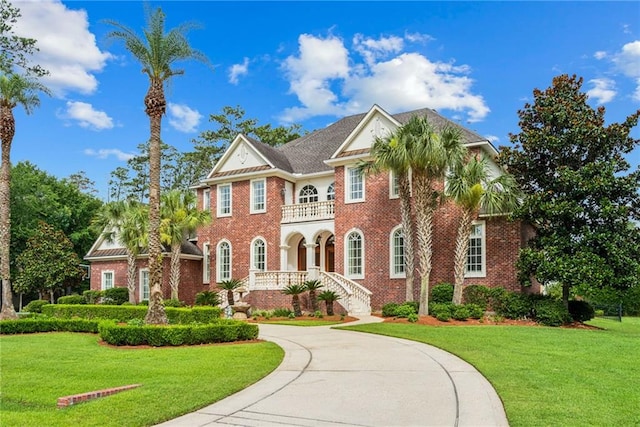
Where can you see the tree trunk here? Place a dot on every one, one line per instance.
(565, 295)
(460, 255)
(155, 104)
(404, 190)
(329, 305)
(313, 300)
(7, 130)
(131, 276)
(425, 208)
(295, 302)
(174, 278)
(230, 299)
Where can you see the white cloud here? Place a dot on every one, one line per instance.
(327, 81)
(603, 90)
(68, 49)
(418, 37)
(237, 70)
(87, 116)
(492, 138)
(183, 118)
(601, 54)
(104, 153)
(628, 62)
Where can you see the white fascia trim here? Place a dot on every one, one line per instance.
(341, 161)
(487, 145)
(374, 109)
(238, 140)
(107, 258)
(252, 175)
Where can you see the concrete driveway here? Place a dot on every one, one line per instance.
(341, 378)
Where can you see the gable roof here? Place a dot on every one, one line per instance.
(307, 154)
(186, 248)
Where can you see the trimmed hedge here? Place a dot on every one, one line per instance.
(442, 293)
(115, 296)
(222, 331)
(35, 306)
(30, 326)
(124, 313)
(405, 309)
(72, 299)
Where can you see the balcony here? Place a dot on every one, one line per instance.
(303, 212)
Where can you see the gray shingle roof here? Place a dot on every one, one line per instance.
(307, 154)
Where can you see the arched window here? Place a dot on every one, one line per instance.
(331, 191)
(308, 194)
(354, 254)
(397, 252)
(224, 261)
(259, 254)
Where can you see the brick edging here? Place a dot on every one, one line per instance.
(65, 401)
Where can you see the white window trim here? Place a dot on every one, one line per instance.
(392, 194)
(219, 199)
(483, 248)
(219, 277)
(206, 199)
(113, 279)
(252, 208)
(347, 187)
(206, 263)
(392, 273)
(346, 254)
(253, 253)
(140, 283)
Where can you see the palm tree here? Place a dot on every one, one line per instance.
(430, 153)
(312, 286)
(14, 90)
(180, 218)
(471, 186)
(125, 221)
(230, 286)
(390, 154)
(329, 297)
(295, 291)
(157, 51)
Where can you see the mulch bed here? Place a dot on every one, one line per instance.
(432, 321)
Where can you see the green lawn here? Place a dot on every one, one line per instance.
(300, 322)
(547, 376)
(37, 369)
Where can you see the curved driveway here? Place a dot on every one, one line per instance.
(333, 377)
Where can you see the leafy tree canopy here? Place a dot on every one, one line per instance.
(15, 50)
(48, 262)
(579, 193)
(37, 196)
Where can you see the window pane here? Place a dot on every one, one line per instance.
(144, 285)
(258, 195)
(206, 264)
(308, 194)
(354, 253)
(259, 255)
(225, 199)
(224, 261)
(331, 192)
(474, 253)
(355, 185)
(398, 252)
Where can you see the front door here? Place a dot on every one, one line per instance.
(329, 249)
(302, 256)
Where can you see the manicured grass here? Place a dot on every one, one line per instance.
(547, 376)
(39, 368)
(301, 322)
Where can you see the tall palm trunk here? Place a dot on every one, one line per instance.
(425, 210)
(404, 190)
(460, 255)
(155, 104)
(131, 276)
(7, 131)
(295, 302)
(174, 279)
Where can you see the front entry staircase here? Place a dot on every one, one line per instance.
(354, 298)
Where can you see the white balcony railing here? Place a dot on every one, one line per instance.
(301, 212)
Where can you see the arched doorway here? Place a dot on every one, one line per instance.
(329, 254)
(302, 255)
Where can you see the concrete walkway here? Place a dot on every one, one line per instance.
(341, 378)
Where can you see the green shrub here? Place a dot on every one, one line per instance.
(405, 310)
(72, 299)
(476, 311)
(441, 311)
(414, 304)
(115, 296)
(154, 335)
(599, 313)
(35, 306)
(413, 318)
(476, 294)
(631, 301)
(443, 316)
(33, 325)
(551, 312)
(460, 312)
(282, 312)
(124, 313)
(207, 298)
(389, 309)
(144, 302)
(581, 311)
(92, 297)
(173, 303)
(513, 305)
(442, 293)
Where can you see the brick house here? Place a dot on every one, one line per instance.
(302, 211)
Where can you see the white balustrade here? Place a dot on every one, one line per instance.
(301, 212)
(276, 280)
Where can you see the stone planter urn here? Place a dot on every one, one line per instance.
(241, 310)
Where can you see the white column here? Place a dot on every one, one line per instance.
(311, 255)
(284, 251)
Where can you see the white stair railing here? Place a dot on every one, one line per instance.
(355, 298)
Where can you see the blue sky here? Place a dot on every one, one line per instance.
(314, 62)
